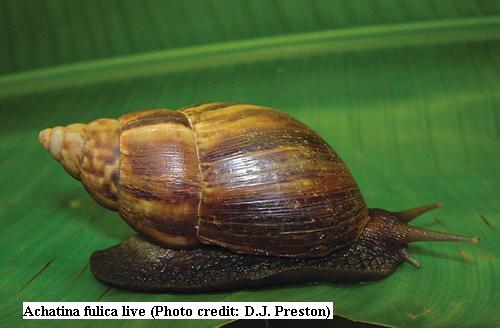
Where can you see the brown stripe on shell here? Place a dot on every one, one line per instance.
(194, 111)
(150, 117)
(100, 166)
(134, 116)
(298, 243)
(160, 180)
(271, 185)
(278, 204)
(206, 115)
(291, 160)
(262, 129)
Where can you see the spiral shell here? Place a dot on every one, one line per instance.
(248, 178)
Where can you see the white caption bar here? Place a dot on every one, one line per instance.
(177, 310)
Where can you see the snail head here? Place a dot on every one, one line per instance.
(392, 228)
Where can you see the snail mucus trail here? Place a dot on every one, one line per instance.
(227, 195)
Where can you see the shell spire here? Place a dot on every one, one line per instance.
(65, 144)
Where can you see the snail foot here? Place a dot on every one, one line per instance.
(138, 264)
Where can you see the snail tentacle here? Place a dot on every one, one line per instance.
(386, 226)
(407, 256)
(413, 234)
(412, 213)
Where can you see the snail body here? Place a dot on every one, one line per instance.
(249, 179)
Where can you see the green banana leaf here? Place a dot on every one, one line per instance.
(407, 92)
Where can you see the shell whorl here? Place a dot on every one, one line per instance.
(89, 153)
(100, 169)
(271, 185)
(65, 144)
(143, 165)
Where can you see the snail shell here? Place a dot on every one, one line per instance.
(249, 178)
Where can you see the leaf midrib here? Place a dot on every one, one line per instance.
(251, 50)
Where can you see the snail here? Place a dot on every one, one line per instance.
(227, 195)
